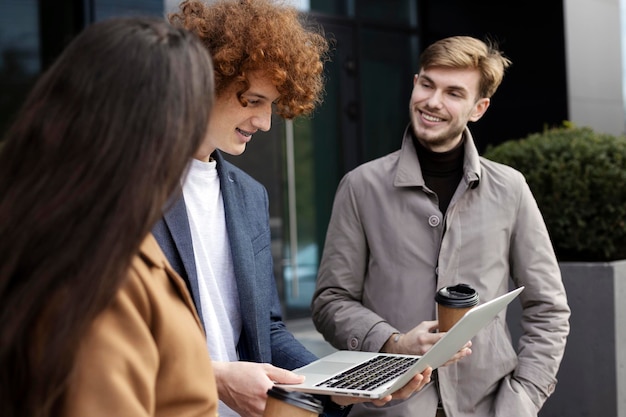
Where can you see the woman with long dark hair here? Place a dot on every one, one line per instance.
(93, 321)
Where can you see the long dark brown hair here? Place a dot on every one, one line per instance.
(100, 144)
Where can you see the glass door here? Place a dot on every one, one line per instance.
(365, 110)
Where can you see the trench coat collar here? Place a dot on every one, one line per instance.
(408, 176)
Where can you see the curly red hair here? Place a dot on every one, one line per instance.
(245, 36)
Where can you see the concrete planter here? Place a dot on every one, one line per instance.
(592, 376)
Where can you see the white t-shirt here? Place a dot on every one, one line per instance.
(216, 279)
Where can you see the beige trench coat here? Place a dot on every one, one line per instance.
(389, 248)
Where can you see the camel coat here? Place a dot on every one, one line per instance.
(145, 355)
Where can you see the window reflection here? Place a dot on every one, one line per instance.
(104, 9)
(19, 55)
(23, 53)
(396, 12)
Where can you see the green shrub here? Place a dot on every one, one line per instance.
(578, 178)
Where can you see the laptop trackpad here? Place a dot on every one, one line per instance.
(325, 367)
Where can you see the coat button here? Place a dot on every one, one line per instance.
(434, 220)
(354, 343)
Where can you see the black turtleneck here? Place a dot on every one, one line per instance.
(442, 171)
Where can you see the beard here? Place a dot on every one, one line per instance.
(439, 139)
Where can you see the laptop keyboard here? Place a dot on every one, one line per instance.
(370, 374)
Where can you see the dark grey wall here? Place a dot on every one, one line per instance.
(592, 374)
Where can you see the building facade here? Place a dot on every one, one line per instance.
(567, 65)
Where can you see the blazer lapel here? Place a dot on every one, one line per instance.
(241, 248)
(177, 222)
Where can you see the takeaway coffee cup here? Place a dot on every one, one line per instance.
(284, 403)
(452, 304)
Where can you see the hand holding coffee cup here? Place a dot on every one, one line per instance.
(284, 403)
(452, 304)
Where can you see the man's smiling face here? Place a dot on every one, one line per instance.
(232, 125)
(443, 101)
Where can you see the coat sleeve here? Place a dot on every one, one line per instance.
(545, 311)
(337, 306)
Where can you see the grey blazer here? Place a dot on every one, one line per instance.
(264, 336)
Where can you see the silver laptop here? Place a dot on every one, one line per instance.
(375, 375)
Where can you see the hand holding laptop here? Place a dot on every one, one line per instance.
(416, 383)
(419, 340)
(376, 375)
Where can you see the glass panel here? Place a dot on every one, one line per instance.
(302, 5)
(336, 124)
(388, 62)
(396, 12)
(399, 12)
(331, 7)
(104, 9)
(622, 10)
(300, 271)
(19, 55)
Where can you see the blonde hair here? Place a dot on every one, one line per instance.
(469, 52)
